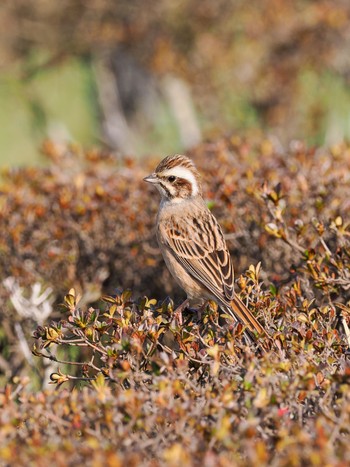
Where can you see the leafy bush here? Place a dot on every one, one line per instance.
(163, 394)
(87, 220)
(154, 393)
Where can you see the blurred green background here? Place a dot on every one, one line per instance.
(145, 77)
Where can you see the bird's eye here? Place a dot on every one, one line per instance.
(172, 178)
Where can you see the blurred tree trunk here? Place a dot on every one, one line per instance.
(115, 128)
(130, 97)
(179, 97)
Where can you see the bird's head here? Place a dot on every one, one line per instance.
(176, 178)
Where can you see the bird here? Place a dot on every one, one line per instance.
(192, 242)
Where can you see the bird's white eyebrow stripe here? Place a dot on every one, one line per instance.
(183, 172)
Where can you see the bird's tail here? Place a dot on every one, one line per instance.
(246, 317)
(241, 314)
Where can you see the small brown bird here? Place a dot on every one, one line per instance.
(192, 242)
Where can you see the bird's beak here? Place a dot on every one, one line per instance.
(152, 179)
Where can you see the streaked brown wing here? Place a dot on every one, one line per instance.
(198, 244)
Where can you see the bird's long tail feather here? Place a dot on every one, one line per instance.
(245, 316)
(253, 329)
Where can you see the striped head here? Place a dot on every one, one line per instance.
(176, 178)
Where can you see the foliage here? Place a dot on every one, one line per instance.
(132, 385)
(164, 394)
(87, 220)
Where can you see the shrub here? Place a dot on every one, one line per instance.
(154, 393)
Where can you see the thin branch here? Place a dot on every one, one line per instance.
(66, 362)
